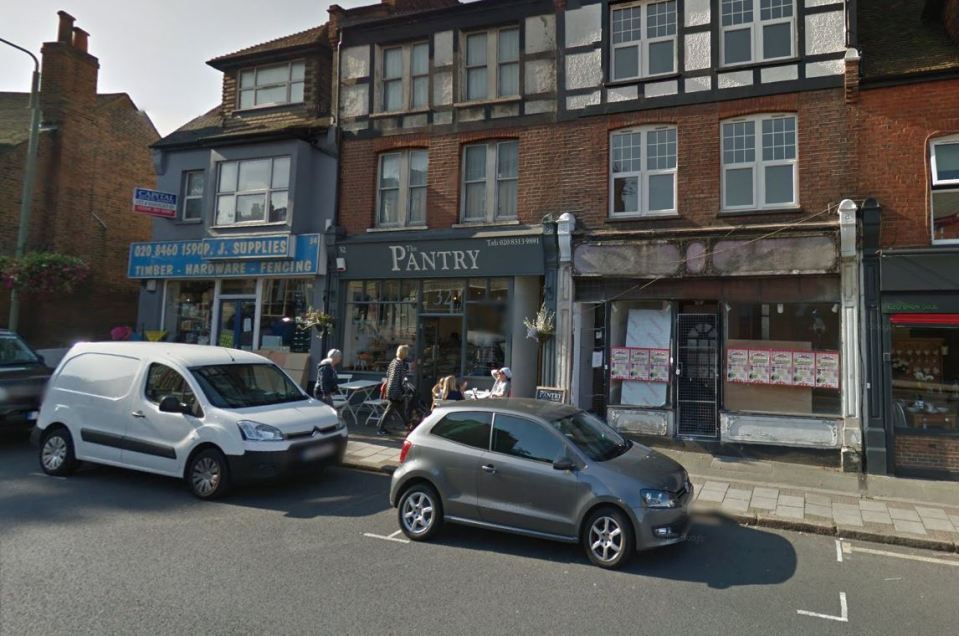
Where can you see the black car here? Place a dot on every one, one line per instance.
(23, 376)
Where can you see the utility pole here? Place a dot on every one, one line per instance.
(29, 175)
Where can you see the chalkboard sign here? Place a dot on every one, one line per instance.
(551, 394)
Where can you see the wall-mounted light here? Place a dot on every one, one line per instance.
(835, 308)
(779, 308)
(151, 285)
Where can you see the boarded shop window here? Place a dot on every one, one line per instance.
(640, 338)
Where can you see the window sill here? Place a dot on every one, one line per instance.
(742, 66)
(406, 228)
(187, 221)
(255, 109)
(241, 226)
(485, 102)
(486, 223)
(641, 80)
(760, 211)
(399, 113)
(642, 217)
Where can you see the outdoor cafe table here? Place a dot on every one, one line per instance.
(364, 388)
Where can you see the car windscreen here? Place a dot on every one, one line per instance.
(237, 386)
(596, 439)
(14, 351)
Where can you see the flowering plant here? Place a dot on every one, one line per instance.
(542, 326)
(314, 319)
(44, 273)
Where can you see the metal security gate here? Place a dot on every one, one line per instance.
(697, 375)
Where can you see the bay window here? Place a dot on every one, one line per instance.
(759, 175)
(253, 191)
(757, 31)
(643, 39)
(490, 178)
(401, 195)
(272, 85)
(643, 171)
(944, 164)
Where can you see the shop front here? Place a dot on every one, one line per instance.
(458, 299)
(238, 292)
(919, 361)
(739, 341)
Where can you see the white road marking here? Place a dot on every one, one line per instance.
(843, 612)
(389, 538)
(839, 550)
(898, 555)
(395, 534)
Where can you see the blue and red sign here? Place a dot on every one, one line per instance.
(154, 203)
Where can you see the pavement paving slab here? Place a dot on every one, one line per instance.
(738, 493)
(873, 506)
(792, 501)
(817, 510)
(762, 503)
(790, 512)
(870, 516)
(911, 527)
(932, 513)
(735, 505)
(943, 525)
(904, 515)
(765, 493)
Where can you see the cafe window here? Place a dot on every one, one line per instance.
(487, 326)
(639, 358)
(925, 375)
(783, 358)
(283, 300)
(189, 311)
(944, 164)
(380, 316)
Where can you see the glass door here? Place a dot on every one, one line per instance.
(236, 325)
(441, 350)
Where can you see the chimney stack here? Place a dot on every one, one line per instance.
(80, 39)
(65, 28)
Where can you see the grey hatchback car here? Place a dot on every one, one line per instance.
(543, 470)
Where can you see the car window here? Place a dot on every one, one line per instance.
(524, 438)
(163, 381)
(471, 429)
(99, 374)
(237, 386)
(14, 351)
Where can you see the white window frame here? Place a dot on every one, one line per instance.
(492, 182)
(643, 175)
(756, 35)
(406, 78)
(644, 42)
(289, 83)
(492, 65)
(952, 140)
(759, 165)
(940, 186)
(187, 175)
(268, 192)
(405, 189)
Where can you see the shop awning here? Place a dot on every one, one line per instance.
(924, 319)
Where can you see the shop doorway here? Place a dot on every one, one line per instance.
(236, 325)
(697, 375)
(441, 350)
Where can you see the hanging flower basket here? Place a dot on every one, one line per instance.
(43, 273)
(315, 319)
(542, 326)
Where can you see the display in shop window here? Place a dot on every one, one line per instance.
(639, 364)
(783, 367)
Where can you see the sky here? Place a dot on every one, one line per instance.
(155, 50)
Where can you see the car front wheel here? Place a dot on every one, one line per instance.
(57, 455)
(207, 474)
(420, 513)
(608, 538)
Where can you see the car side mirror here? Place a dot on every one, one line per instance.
(170, 404)
(564, 463)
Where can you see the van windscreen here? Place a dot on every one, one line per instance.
(237, 386)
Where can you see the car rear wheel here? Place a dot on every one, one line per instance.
(420, 512)
(207, 474)
(57, 456)
(608, 538)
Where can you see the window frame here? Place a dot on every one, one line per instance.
(268, 192)
(758, 165)
(404, 189)
(757, 35)
(492, 64)
(492, 181)
(406, 78)
(951, 140)
(644, 42)
(240, 89)
(643, 175)
(149, 375)
(187, 175)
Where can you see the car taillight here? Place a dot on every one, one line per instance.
(407, 445)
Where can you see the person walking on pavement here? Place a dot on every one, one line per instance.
(327, 378)
(395, 376)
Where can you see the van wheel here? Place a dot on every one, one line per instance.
(608, 538)
(420, 512)
(207, 474)
(57, 456)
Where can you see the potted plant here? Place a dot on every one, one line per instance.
(43, 273)
(540, 328)
(315, 319)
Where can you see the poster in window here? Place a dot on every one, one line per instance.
(827, 370)
(804, 376)
(659, 365)
(639, 364)
(804, 359)
(737, 365)
(758, 367)
(619, 363)
(780, 371)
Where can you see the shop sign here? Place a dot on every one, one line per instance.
(551, 394)
(505, 256)
(202, 259)
(154, 203)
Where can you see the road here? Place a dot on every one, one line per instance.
(109, 552)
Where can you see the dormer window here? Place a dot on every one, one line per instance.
(272, 85)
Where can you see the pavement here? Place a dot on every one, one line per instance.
(787, 495)
(109, 551)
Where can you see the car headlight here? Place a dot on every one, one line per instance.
(659, 498)
(256, 432)
(340, 424)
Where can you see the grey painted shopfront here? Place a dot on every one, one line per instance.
(457, 297)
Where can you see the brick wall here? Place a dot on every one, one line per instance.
(927, 453)
(564, 167)
(894, 126)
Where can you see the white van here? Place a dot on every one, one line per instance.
(210, 415)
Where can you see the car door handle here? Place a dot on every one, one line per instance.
(490, 469)
(138, 414)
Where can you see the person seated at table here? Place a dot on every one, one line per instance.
(457, 389)
(439, 391)
(501, 388)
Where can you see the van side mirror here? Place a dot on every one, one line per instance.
(170, 404)
(564, 463)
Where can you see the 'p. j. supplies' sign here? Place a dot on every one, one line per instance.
(449, 258)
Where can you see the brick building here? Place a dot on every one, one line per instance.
(907, 131)
(94, 149)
